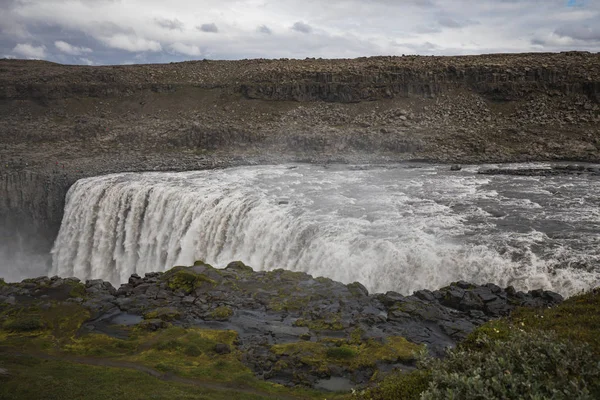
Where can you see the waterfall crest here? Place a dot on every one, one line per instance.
(338, 224)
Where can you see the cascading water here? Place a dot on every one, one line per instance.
(390, 228)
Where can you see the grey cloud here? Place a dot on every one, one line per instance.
(264, 29)
(449, 22)
(28, 50)
(580, 32)
(171, 24)
(302, 27)
(212, 28)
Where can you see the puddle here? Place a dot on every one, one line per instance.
(335, 384)
(126, 319)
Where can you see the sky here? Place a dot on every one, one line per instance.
(100, 32)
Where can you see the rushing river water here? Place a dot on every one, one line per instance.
(395, 227)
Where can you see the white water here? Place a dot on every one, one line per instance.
(390, 228)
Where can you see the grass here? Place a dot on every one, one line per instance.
(185, 352)
(32, 378)
(349, 354)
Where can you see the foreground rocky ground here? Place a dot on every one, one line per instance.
(285, 327)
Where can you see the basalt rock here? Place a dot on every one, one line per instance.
(285, 320)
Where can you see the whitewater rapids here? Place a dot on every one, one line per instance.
(400, 227)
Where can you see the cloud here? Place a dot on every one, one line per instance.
(131, 43)
(70, 49)
(580, 32)
(30, 51)
(264, 29)
(301, 27)
(188, 50)
(117, 31)
(212, 28)
(86, 61)
(171, 24)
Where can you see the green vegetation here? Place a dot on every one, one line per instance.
(2, 282)
(27, 323)
(221, 313)
(163, 313)
(182, 278)
(47, 357)
(536, 363)
(33, 378)
(545, 353)
(330, 323)
(77, 289)
(320, 355)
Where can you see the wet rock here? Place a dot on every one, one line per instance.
(222, 348)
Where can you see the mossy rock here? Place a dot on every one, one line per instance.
(323, 324)
(221, 313)
(182, 278)
(163, 313)
(77, 290)
(239, 266)
(357, 289)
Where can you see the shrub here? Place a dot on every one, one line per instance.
(400, 386)
(342, 352)
(24, 324)
(537, 364)
(192, 350)
(168, 345)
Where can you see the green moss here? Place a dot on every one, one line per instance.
(186, 280)
(356, 335)
(240, 267)
(192, 350)
(35, 327)
(163, 313)
(31, 378)
(27, 323)
(343, 353)
(399, 386)
(2, 282)
(284, 302)
(101, 345)
(332, 323)
(77, 289)
(221, 313)
(356, 289)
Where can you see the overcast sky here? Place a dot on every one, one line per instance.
(141, 31)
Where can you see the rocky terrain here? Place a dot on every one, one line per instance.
(290, 328)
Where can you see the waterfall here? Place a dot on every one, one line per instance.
(339, 224)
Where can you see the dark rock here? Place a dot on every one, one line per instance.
(222, 348)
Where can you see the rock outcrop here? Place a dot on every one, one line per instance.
(292, 328)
